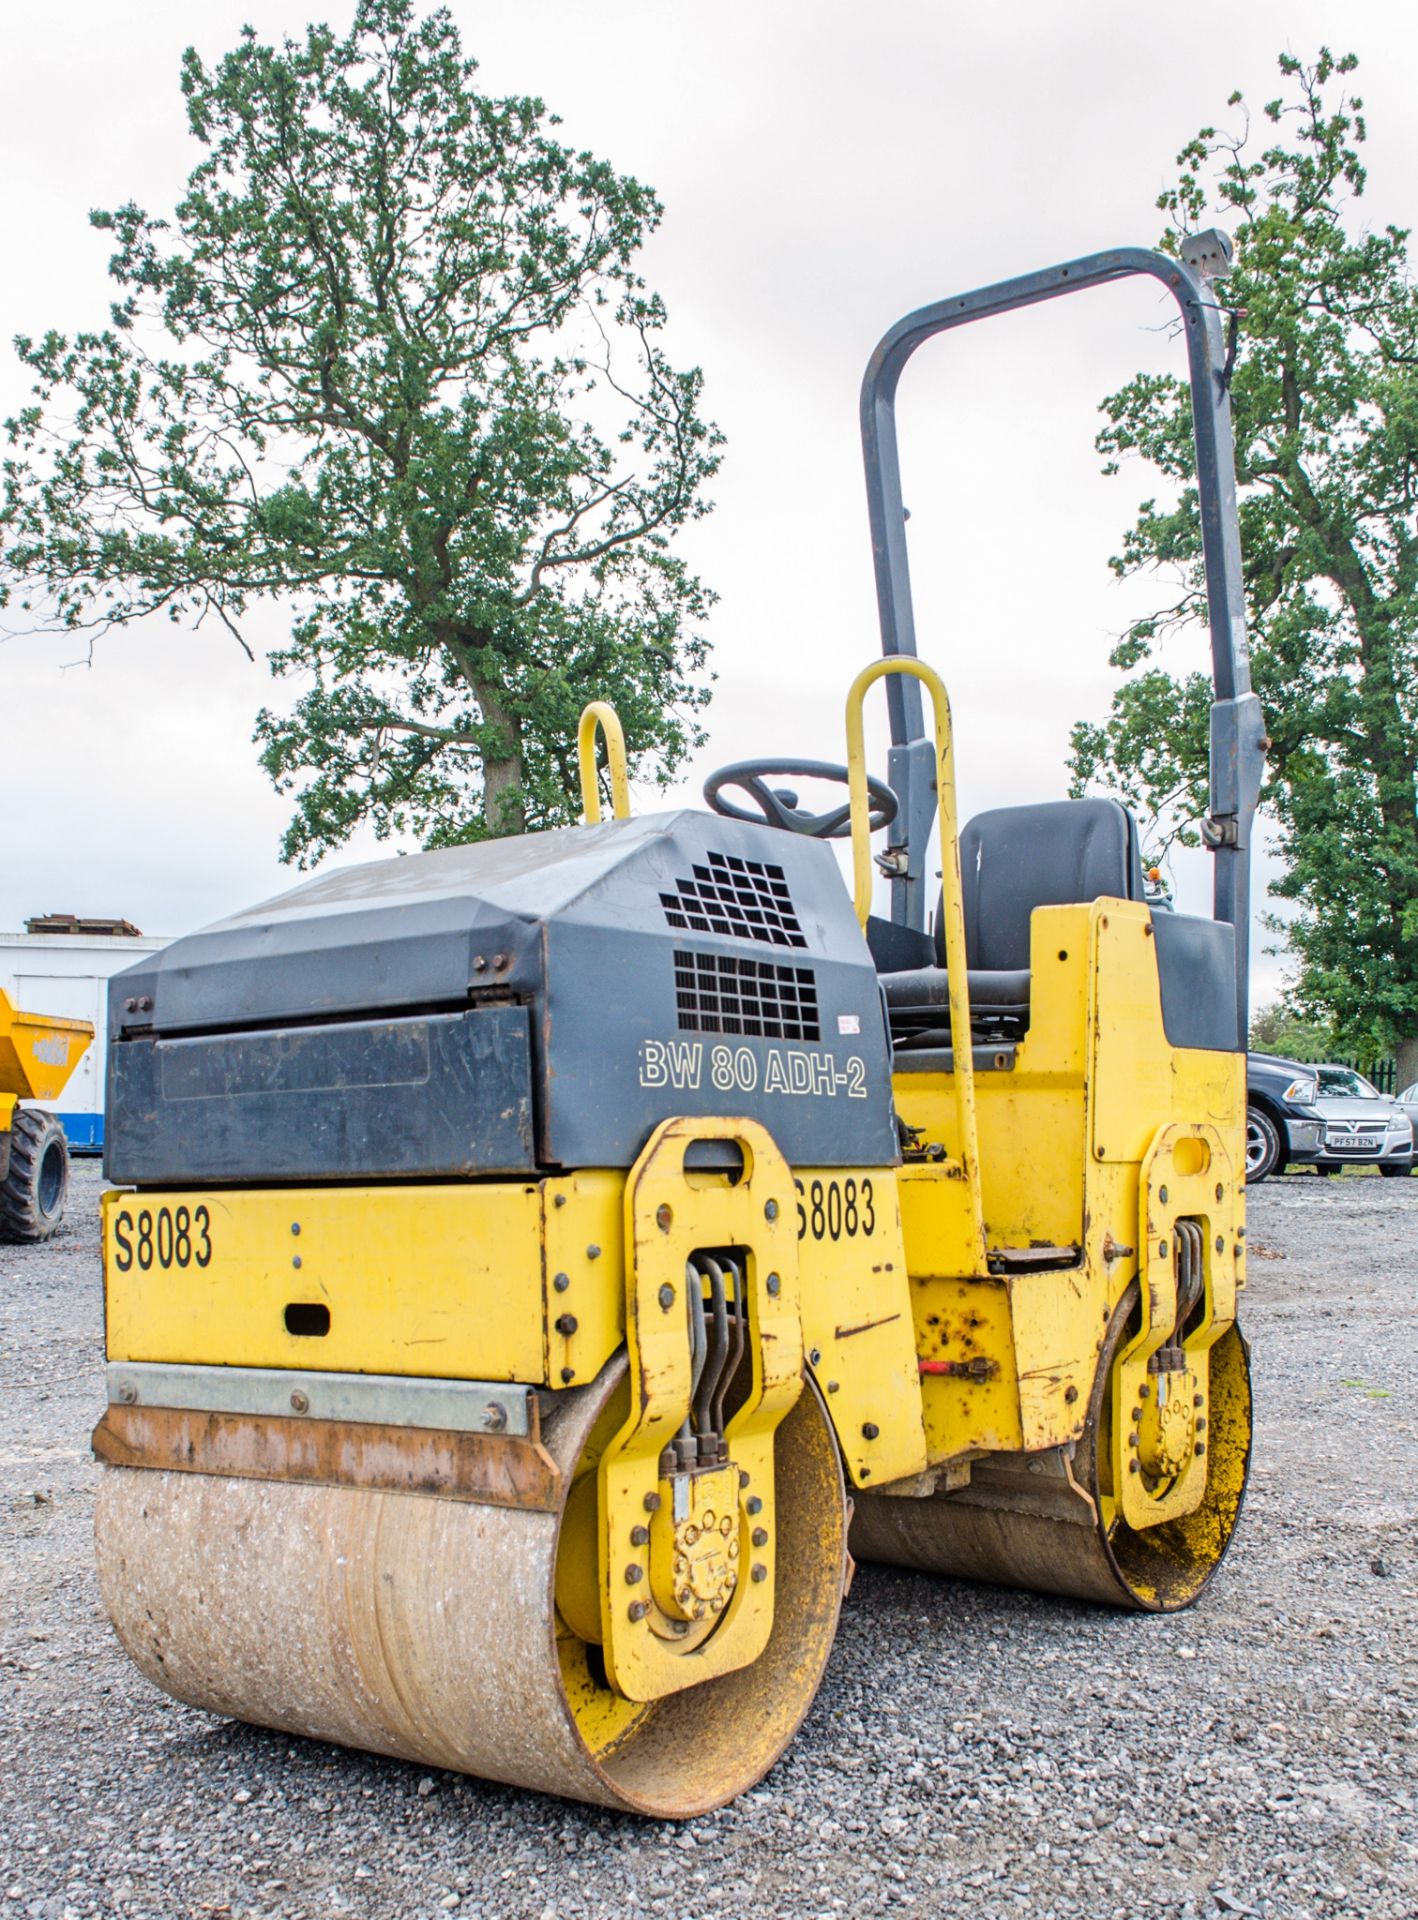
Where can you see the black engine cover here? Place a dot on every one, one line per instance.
(537, 1002)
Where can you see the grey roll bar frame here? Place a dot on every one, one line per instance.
(1237, 728)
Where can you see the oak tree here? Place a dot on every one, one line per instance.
(1325, 398)
(392, 366)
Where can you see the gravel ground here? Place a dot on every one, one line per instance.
(971, 1751)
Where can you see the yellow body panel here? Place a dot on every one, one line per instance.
(38, 1053)
(1063, 1139)
(447, 1281)
(520, 1281)
(856, 1313)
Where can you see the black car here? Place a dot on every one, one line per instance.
(1282, 1126)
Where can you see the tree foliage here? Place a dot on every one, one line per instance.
(1325, 399)
(392, 365)
(1279, 1028)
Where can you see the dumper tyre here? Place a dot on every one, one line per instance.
(36, 1185)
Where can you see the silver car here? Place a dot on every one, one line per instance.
(1361, 1125)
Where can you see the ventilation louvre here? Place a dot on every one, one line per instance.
(720, 993)
(745, 899)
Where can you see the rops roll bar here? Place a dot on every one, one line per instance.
(1237, 728)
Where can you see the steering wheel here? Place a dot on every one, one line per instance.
(778, 807)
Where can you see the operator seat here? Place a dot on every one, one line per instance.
(1013, 859)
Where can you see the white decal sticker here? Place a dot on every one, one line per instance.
(736, 1069)
(849, 1023)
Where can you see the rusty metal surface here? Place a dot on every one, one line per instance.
(425, 1628)
(493, 1469)
(1045, 1521)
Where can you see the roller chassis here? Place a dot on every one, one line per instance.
(527, 1435)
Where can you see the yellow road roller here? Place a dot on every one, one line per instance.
(38, 1053)
(537, 1268)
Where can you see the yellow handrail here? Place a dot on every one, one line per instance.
(600, 713)
(952, 888)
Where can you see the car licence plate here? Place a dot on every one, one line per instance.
(1354, 1142)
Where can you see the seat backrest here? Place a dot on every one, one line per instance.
(1061, 853)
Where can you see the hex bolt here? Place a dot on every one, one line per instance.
(1162, 1248)
(300, 1401)
(760, 1572)
(760, 1536)
(1220, 1191)
(1133, 1467)
(637, 1609)
(295, 1226)
(832, 1386)
(1201, 1425)
(562, 1282)
(664, 1217)
(1221, 1243)
(1144, 1392)
(770, 1210)
(1200, 1448)
(1070, 1394)
(870, 1430)
(754, 1504)
(1198, 1400)
(1132, 1440)
(593, 1252)
(479, 963)
(652, 1503)
(634, 1574)
(1162, 1195)
(667, 1296)
(494, 1416)
(1137, 1413)
(566, 1323)
(773, 1283)
(568, 1374)
(639, 1536)
(744, 1478)
(128, 1394)
(499, 960)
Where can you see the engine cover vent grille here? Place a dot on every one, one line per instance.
(719, 993)
(746, 899)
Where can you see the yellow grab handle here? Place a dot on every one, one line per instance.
(600, 713)
(952, 888)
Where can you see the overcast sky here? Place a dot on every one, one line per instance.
(825, 168)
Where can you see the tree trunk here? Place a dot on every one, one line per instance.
(504, 805)
(504, 802)
(1407, 1069)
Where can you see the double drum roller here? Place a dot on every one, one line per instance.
(534, 1269)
